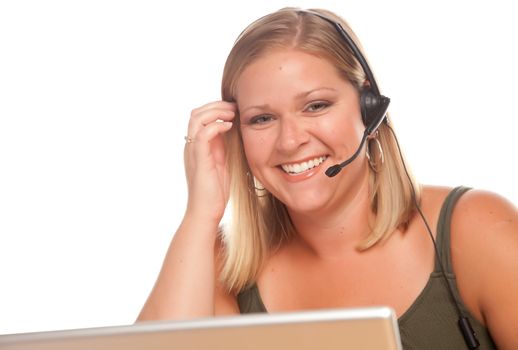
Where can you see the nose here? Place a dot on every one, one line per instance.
(292, 134)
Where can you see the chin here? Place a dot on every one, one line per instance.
(307, 202)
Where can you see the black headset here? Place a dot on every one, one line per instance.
(374, 110)
(373, 105)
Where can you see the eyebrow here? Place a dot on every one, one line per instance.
(299, 96)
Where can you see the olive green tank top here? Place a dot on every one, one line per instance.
(431, 321)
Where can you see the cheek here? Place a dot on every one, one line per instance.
(255, 147)
(343, 128)
(338, 132)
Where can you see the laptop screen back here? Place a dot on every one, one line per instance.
(363, 328)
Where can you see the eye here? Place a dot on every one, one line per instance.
(317, 106)
(261, 119)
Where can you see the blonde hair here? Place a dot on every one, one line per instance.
(260, 222)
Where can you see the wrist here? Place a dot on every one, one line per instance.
(201, 221)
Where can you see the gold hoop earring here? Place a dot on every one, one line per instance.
(255, 187)
(377, 165)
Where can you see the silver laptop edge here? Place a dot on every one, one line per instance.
(214, 322)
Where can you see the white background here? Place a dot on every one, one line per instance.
(94, 102)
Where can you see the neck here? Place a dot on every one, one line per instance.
(332, 232)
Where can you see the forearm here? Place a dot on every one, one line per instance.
(185, 286)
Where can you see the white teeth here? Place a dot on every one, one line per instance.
(301, 167)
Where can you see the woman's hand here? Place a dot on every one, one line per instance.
(186, 285)
(205, 160)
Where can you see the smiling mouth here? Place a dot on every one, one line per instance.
(297, 168)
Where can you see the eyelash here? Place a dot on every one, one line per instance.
(322, 105)
(261, 119)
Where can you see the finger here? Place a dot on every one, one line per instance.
(217, 104)
(203, 118)
(201, 146)
(210, 131)
(204, 153)
(223, 106)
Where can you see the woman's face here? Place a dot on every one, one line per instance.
(298, 117)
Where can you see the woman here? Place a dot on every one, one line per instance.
(300, 239)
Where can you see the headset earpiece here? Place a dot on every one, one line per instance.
(374, 109)
(369, 103)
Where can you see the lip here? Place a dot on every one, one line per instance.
(306, 174)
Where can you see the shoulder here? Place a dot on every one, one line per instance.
(476, 212)
(434, 196)
(484, 224)
(485, 211)
(484, 246)
(432, 200)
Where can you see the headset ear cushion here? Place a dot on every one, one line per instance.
(369, 103)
